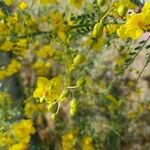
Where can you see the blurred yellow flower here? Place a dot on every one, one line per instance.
(87, 143)
(19, 146)
(8, 2)
(22, 130)
(58, 25)
(45, 51)
(68, 140)
(42, 67)
(7, 46)
(13, 67)
(5, 139)
(22, 5)
(3, 29)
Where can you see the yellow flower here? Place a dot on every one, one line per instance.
(49, 90)
(3, 29)
(76, 3)
(7, 46)
(68, 140)
(22, 130)
(5, 139)
(58, 25)
(22, 5)
(87, 143)
(13, 67)
(45, 51)
(19, 146)
(8, 2)
(136, 24)
(42, 67)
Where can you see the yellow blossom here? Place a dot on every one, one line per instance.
(68, 140)
(22, 5)
(42, 67)
(87, 143)
(19, 146)
(49, 90)
(3, 27)
(13, 67)
(45, 51)
(5, 139)
(8, 2)
(22, 130)
(7, 46)
(136, 24)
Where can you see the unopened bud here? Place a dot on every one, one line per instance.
(101, 2)
(64, 94)
(73, 107)
(79, 59)
(81, 82)
(97, 30)
(122, 10)
(53, 116)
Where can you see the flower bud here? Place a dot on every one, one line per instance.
(73, 107)
(97, 30)
(81, 82)
(101, 2)
(79, 59)
(53, 116)
(122, 10)
(64, 95)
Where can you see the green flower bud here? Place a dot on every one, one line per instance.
(81, 82)
(97, 30)
(101, 2)
(79, 59)
(64, 94)
(53, 116)
(122, 10)
(73, 107)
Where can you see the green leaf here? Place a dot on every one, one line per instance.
(137, 48)
(148, 46)
(142, 42)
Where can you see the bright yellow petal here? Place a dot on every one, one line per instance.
(42, 82)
